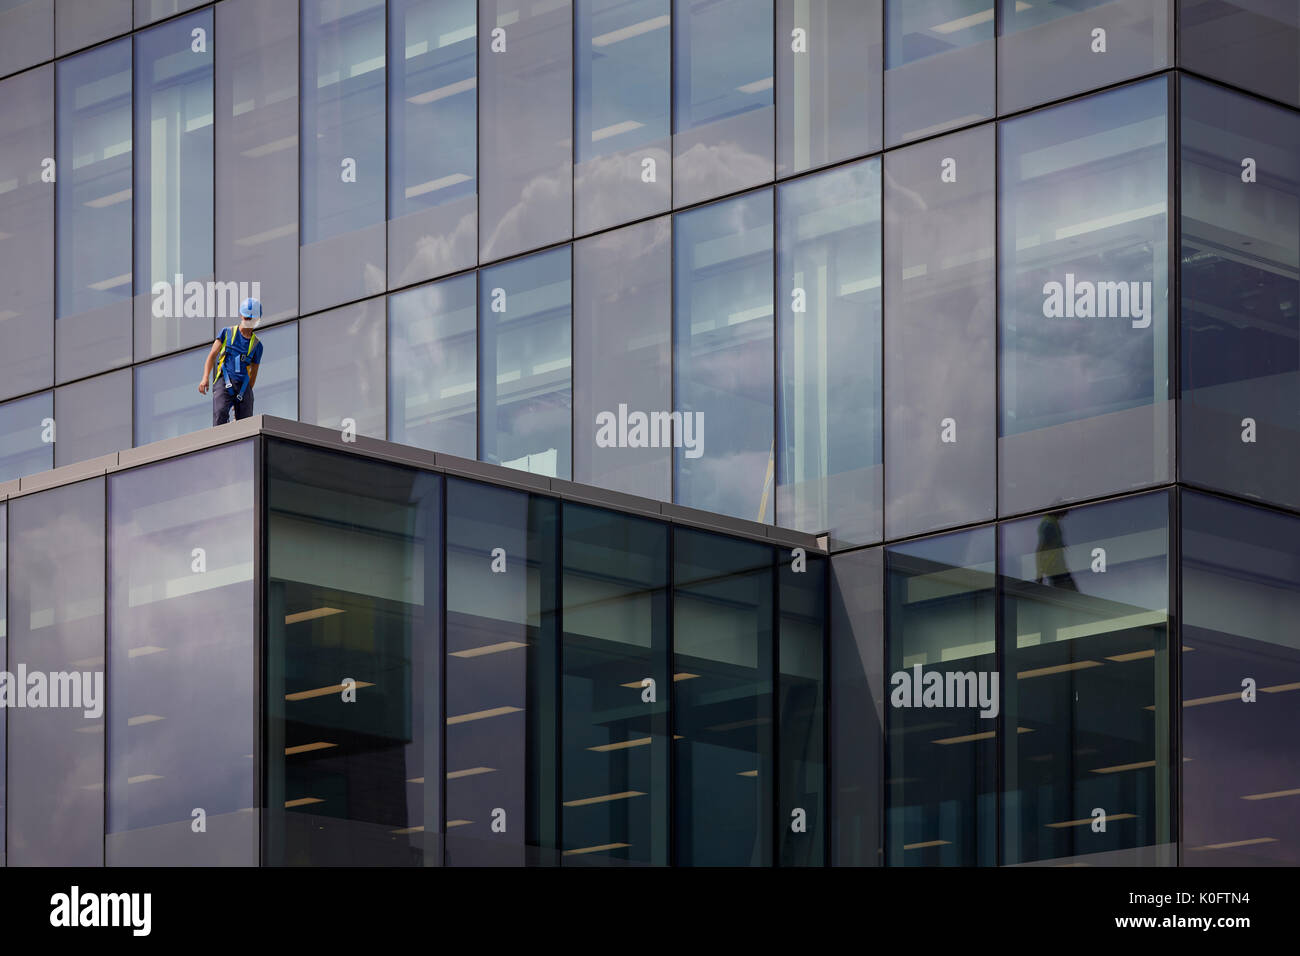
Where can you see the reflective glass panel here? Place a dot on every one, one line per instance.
(622, 358)
(26, 34)
(525, 128)
(1085, 684)
(723, 97)
(55, 793)
(524, 384)
(27, 237)
(616, 689)
(1240, 684)
(940, 334)
(353, 769)
(79, 23)
(93, 211)
(256, 188)
(502, 677)
(167, 399)
(341, 363)
(939, 66)
(828, 62)
(1049, 49)
(941, 764)
(94, 417)
(182, 717)
(801, 711)
(344, 105)
(27, 436)
(1084, 273)
(1239, 423)
(432, 367)
(828, 468)
(723, 388)
(1253, 44)
(623, 93)
(723, 784)
(173, 187)
(433, 161)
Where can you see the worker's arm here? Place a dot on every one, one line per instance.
(252, 376)
(207, 367)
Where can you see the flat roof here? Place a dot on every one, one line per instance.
(380, 450)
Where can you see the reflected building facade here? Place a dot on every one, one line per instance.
(994, 306)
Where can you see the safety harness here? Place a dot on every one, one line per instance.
(228, 338)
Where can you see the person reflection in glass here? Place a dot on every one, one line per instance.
(1049, 556)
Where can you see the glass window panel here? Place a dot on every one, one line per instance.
(167, 399)
(354, 575)
(341, 362)
(940, 333)
(502, 677)
(939, 66)
(277, 376)
(182, 718)
(26, 35)
(147, 11)
(56, 624)
(525, 387)
(432, 367)
(1240, 416)
(724, 357)
(27, 238)
(623, 92)
(256, 187)
(722, 700)
(525, 125)
(26, 436)
(93, 211)
(1253, 44)
(1084, 272)
(857, 700)
(723, 137)
(344, 104)
(941, 769)
(1049, 49)
(616, 689)
(1085, 656)
(1241, 595)
(829, 472)
(79, 23)
(622, 354)
(433, 162)
(94, 417)
(801, 712)
(173, 185)
(827, 90)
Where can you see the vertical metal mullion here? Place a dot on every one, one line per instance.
(108, 703)
(1174, 642)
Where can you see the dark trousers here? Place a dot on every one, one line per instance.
(223, 400)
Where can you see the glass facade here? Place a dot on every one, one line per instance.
(942, 287)
(1084, 299)
(181, 656)
(55, 773)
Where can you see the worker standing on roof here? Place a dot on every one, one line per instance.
(236, 354)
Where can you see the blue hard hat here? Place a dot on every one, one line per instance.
(250, 309)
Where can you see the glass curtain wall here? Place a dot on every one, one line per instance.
(181, 653)
(433, 161)
(353, 662)
(829, 470)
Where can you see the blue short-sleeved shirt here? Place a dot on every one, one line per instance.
(237, 359)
